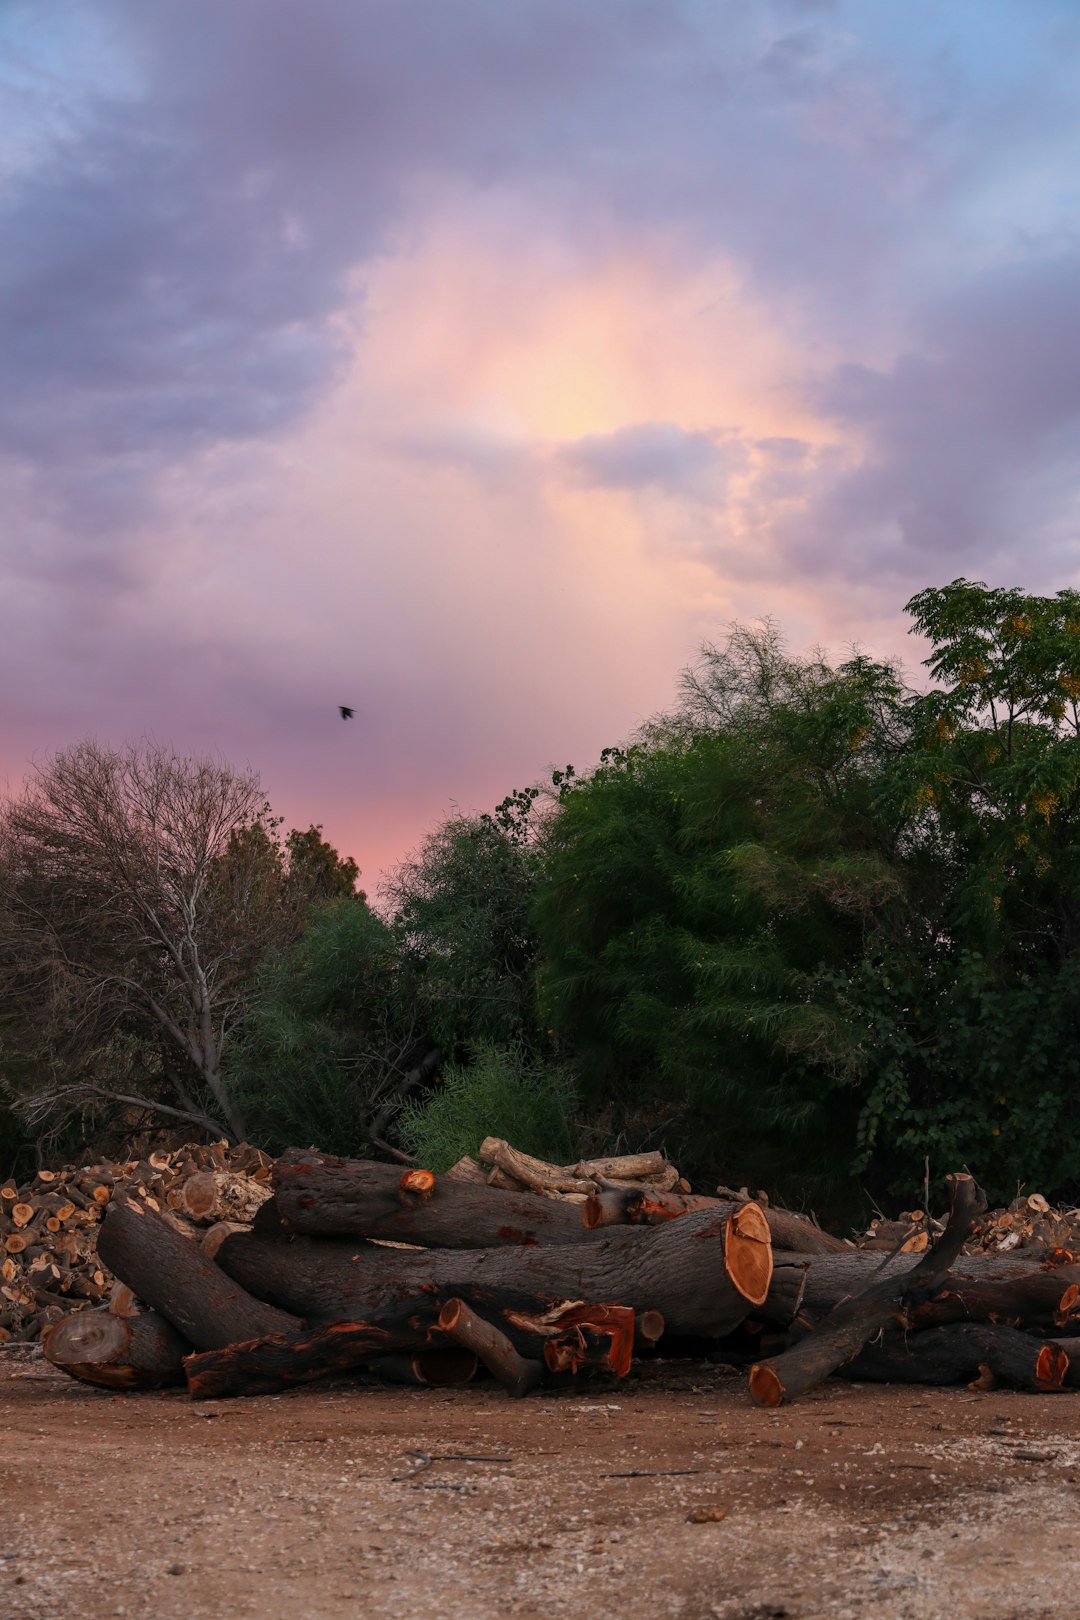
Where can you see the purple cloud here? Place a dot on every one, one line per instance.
(650, 455)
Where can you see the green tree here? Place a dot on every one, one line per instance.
(331, 1046)
(699, 889)
(462, 916)
(975, 1053)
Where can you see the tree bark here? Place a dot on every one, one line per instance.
(646, 1206)
(705, 1273)
(960, 1352)
(847, 1328)
(319, 1195)
(834, 1277)
(1046, 1298)
(117, 1352)
(562, 1335)
(169, 1273)
(461, 1324)
(262, 1366)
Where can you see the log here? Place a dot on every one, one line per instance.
(262, 1366)
(704, 1273)
(216, 1235)
(644, 1206)
(530, 1323)
(461, 1323)
(334, 1197)
(786, 1293)
(542, 1177)
(1043, 1298)
(171, 1274)
(219, 1195)
(961, 1352)
(117, 1352)
(835, 1277)
(1070, 1349)
(851, 1324)
(625, 1167)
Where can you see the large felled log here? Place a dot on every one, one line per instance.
(831, 1278)
(1044, 1298)
(646, 1206)
(316, 1194)
(1070, 1349)
(847, 1328)
(261, 1366)
(786, 1292)
(169, 1273)
(963, 1351)
(704, 1273)
(117, 1352)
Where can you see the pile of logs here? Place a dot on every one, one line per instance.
(49, 1225)
(1028, 1223)
(403, 1274)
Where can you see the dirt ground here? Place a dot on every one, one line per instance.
(857, 1501)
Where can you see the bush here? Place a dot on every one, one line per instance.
(500, 1093)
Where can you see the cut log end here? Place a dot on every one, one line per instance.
(748, 1253)
(1051, 1367)
(417, 1185)
(765, 1386)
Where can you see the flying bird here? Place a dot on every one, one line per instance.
(346, 714)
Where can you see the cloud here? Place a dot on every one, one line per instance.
(650, 455)
(961, 452)
(473, 362)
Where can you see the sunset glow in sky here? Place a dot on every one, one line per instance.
(471, 361)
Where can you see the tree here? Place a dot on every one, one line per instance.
(698, 889)
(331, 1042)
(461, 913)
(975, 1016)
(140, 891)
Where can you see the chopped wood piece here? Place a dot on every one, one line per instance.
(216, 1235)
(117, 1352)
(648, 1328)
(535, 1173)
(219, 1195)
(624, 1167)
(467, 1169)
(460, 1323)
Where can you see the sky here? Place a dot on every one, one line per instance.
(471, 362)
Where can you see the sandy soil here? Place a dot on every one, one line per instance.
(855, 1502)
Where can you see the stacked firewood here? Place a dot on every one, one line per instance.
(349, 1265)
(1029, 1223)
(49, 1224)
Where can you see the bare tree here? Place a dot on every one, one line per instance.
(138, 892)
